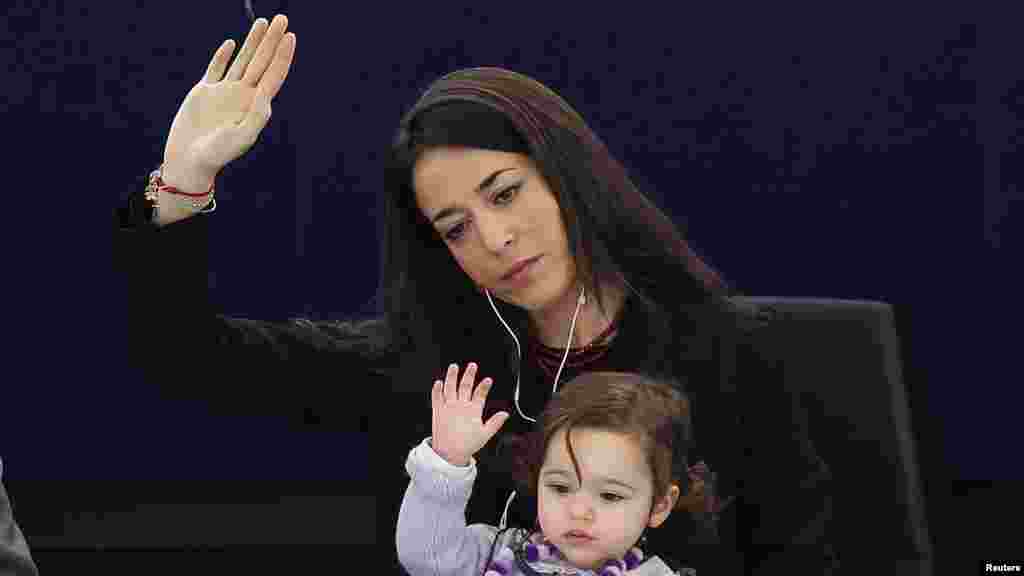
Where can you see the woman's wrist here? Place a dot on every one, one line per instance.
(188, 179)
(171, 196)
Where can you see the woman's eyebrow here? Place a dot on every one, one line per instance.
(483, 185)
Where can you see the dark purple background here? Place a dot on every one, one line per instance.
(849, 153)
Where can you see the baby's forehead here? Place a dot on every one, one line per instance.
(584, 436)
(599, 452)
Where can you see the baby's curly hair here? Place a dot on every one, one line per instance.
(652, 409)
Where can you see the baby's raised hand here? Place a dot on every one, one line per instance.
(458, 428)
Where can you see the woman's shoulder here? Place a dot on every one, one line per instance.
(750, 317)
(752, 327)
(746, 354)
(760, 360)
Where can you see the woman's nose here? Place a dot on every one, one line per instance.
(495, 231)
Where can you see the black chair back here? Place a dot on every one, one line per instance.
(844, 358)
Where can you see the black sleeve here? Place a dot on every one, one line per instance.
(303, 369)
(786, 507)
(15, 558)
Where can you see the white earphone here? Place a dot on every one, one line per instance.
(580, 301)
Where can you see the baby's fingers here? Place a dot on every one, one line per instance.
(480, 394)
(450, 392)
(435, 394)
(494, 423)
(468, 379)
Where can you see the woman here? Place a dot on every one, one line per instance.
(489, 171)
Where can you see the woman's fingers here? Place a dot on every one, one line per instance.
(252, 42)
(219, 62)
(266, 50)
(274, 77)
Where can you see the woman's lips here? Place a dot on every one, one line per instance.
(523, 275)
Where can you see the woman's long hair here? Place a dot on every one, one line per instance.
(617, 235)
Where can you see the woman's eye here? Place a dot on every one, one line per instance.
(455, 233)
(611, 497)
(558, 488)
(508, 193)
(503, 197)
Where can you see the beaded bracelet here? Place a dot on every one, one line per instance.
(157, 185)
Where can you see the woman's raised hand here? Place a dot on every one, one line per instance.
(222, 116)
(458, 428)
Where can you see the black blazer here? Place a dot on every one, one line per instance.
(748, 426)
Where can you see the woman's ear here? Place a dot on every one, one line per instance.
(663, 507)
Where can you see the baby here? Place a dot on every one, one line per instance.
(605, 462)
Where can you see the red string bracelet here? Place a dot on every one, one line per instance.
(157, 185)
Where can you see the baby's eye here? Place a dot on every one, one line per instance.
(559, 488)
(610, 497)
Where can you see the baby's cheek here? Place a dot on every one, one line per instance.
(544, 515)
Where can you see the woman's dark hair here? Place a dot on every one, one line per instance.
(616, 234)
(653, 411)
